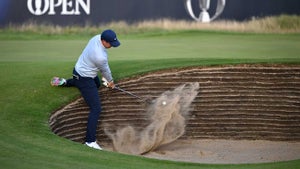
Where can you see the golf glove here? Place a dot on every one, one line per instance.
(108, 84)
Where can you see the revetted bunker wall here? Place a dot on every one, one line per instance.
(234, 102)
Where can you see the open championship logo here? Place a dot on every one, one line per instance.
(204, 7)
(67, 7)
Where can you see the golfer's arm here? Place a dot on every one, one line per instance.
(105, 71)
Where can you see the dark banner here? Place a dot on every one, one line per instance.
(95, 12)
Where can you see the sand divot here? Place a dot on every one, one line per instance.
(166, 122)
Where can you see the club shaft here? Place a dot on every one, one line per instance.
(124, 91)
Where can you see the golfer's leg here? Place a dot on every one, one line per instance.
(90, 95)
(70, 83)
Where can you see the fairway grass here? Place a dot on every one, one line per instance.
(27, 99)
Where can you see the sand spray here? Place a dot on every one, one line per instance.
(167, 117)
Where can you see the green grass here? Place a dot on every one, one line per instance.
(27, 99)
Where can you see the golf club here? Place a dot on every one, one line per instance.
(124, 91)
(131, 94)
(127, 92)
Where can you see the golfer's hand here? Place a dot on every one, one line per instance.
(111, 84)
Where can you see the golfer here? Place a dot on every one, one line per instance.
(93, 59)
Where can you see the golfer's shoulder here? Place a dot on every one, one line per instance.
(94, 45)
(96, 38)
(99, 55)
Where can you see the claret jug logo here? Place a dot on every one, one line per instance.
(204, 6)
(63, 7)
